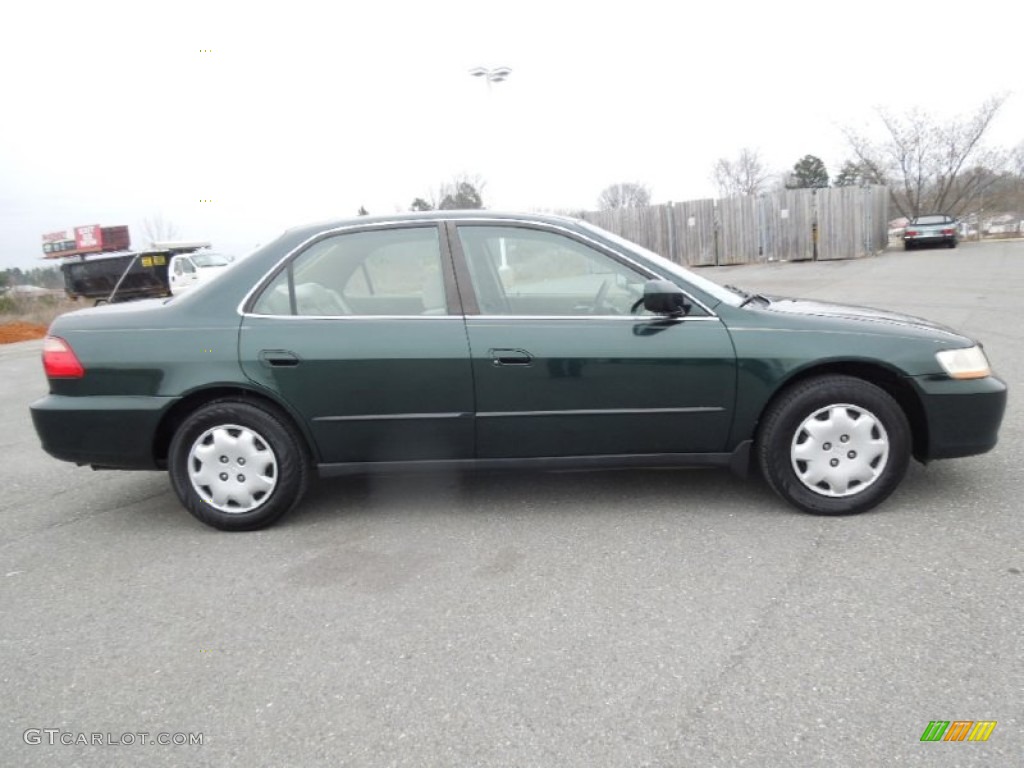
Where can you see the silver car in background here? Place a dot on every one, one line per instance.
(933, 229)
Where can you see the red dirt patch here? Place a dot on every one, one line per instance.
(12, 332)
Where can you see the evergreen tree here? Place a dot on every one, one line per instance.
(849, 175)
(808, 173)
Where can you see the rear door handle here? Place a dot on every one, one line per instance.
(278, 358)
(511, 357)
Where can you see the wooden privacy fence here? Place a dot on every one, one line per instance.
(791, 225)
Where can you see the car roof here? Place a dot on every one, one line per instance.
(428, 216)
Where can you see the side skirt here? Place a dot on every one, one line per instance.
(738, 461)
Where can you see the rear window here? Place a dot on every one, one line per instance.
(375, 272)
(931, 220)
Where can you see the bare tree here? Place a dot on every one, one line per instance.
(1017, 171)
(625, 194)
(998, 192)
(930, 166)
(1017, 161)
(156, 229)
(746, 175)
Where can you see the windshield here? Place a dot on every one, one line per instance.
(209, 260)
(709, 287)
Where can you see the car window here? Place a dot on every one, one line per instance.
(518, 271)
(378, 272)
(209, 260)
(920, 220)
(715, 291)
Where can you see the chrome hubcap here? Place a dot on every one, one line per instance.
(232, 468)
(840, 450)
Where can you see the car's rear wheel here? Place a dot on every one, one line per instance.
(907, 245)
(834, 445)
(952, 243)
(237, 466)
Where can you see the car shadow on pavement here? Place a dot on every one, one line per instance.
(701, 493)
(498, 494)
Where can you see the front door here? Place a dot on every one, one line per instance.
(565, 364)
(183, 274)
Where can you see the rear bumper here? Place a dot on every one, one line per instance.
(930, 239)
(115, 432)
(963, 417)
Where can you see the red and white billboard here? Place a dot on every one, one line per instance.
(59, 242)
(91, 238)
(88, 239)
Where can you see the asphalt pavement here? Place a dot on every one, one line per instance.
(633, 618)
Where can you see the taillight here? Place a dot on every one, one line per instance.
(947, 231)
(911, 233)
(59, 360)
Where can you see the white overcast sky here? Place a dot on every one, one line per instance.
(110, 113)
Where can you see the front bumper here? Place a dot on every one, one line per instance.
(963, 417)
(108, 431)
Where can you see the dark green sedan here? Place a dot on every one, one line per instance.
(482, 340)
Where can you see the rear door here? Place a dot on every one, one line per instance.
(362, 333)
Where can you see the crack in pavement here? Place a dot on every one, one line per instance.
(762, 622)
(79, 518)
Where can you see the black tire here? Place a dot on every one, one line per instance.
(276, 458)
(783, 438)
(952, 243)
(907, 245)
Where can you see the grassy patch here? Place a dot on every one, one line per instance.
(30, 317)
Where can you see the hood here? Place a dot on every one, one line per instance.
(851, 312)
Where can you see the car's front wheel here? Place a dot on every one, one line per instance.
(834, 445)
(237, 466)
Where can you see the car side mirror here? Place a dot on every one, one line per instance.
(663, 297)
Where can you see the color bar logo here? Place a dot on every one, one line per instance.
(958, 730)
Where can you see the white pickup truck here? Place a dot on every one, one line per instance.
(187, 270)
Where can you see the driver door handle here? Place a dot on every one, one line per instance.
(511, 357)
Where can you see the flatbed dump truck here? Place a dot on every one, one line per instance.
(100, 265)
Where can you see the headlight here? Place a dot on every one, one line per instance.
(969, 363)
